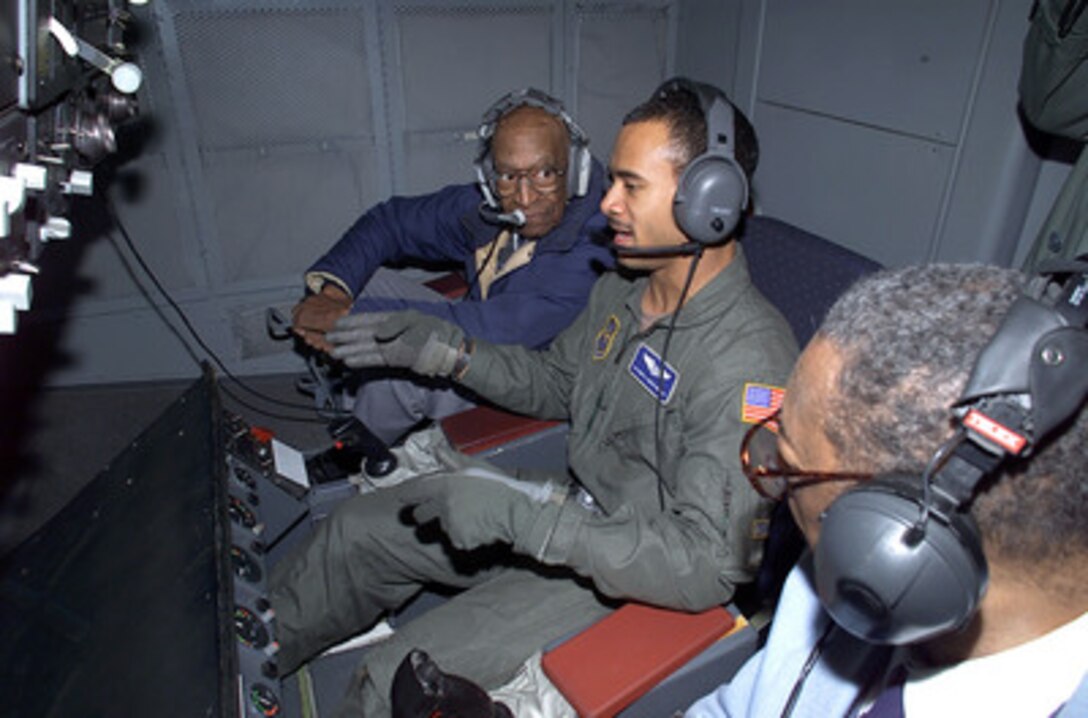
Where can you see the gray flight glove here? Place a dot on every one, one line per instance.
(409, 339)
(480, 505)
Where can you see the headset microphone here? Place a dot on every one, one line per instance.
(676, 250)
(515, 218)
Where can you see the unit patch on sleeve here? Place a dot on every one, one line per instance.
(760, 401)
(657, 378)
(602, 344)
(761, 529)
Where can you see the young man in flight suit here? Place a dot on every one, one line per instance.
(529, 277)
(657, 377)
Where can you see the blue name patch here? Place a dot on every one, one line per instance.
(646, 368)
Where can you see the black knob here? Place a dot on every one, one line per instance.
(379, 466)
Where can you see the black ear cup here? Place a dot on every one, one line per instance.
(713, 190)
(887, 579)
(579, 161)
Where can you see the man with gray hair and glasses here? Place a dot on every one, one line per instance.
(942, 580)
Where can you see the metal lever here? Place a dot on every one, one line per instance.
(125, 76)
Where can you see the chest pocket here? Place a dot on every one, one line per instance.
(634, 436)
(631, 433)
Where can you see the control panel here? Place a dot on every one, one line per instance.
(261, 506)
(156, 575)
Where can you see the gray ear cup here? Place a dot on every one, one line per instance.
(884, 579)
(579, 162)
(710, 197)
(713, 190)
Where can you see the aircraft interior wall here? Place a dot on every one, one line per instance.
(887, 127)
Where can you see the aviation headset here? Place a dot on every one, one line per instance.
(579, 164)
(900, 559)
(713, 190)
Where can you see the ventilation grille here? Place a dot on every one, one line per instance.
(275, 76)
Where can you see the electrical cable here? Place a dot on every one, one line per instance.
(479, 270)
(503, 219)
(200, 341)
(870, 677)
(698, 254)
(806, 669)
(936, 463)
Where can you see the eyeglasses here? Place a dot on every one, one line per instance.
(544, 180)
(767, 471)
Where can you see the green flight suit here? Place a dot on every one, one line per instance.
(728, 344)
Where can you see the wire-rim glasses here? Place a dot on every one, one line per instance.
(544, 180)
(768, 472)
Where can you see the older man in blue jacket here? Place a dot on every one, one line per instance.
(523, 234)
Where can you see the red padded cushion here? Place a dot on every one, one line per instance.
(451, 286)
(483, 427)
(615, 661)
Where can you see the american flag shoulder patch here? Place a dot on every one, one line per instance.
(760, 401)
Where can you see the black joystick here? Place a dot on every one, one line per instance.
(355, 447)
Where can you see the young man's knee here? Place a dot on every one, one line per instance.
(359, 526)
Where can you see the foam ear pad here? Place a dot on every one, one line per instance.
(886, 582)
(710, 197)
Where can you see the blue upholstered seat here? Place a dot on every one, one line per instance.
(802, 274)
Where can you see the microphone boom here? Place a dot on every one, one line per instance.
(515, 218)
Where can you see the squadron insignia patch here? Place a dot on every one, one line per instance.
(760, 401)
(602, 344)
(655, 376)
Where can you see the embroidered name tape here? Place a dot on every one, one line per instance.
(657, 378)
